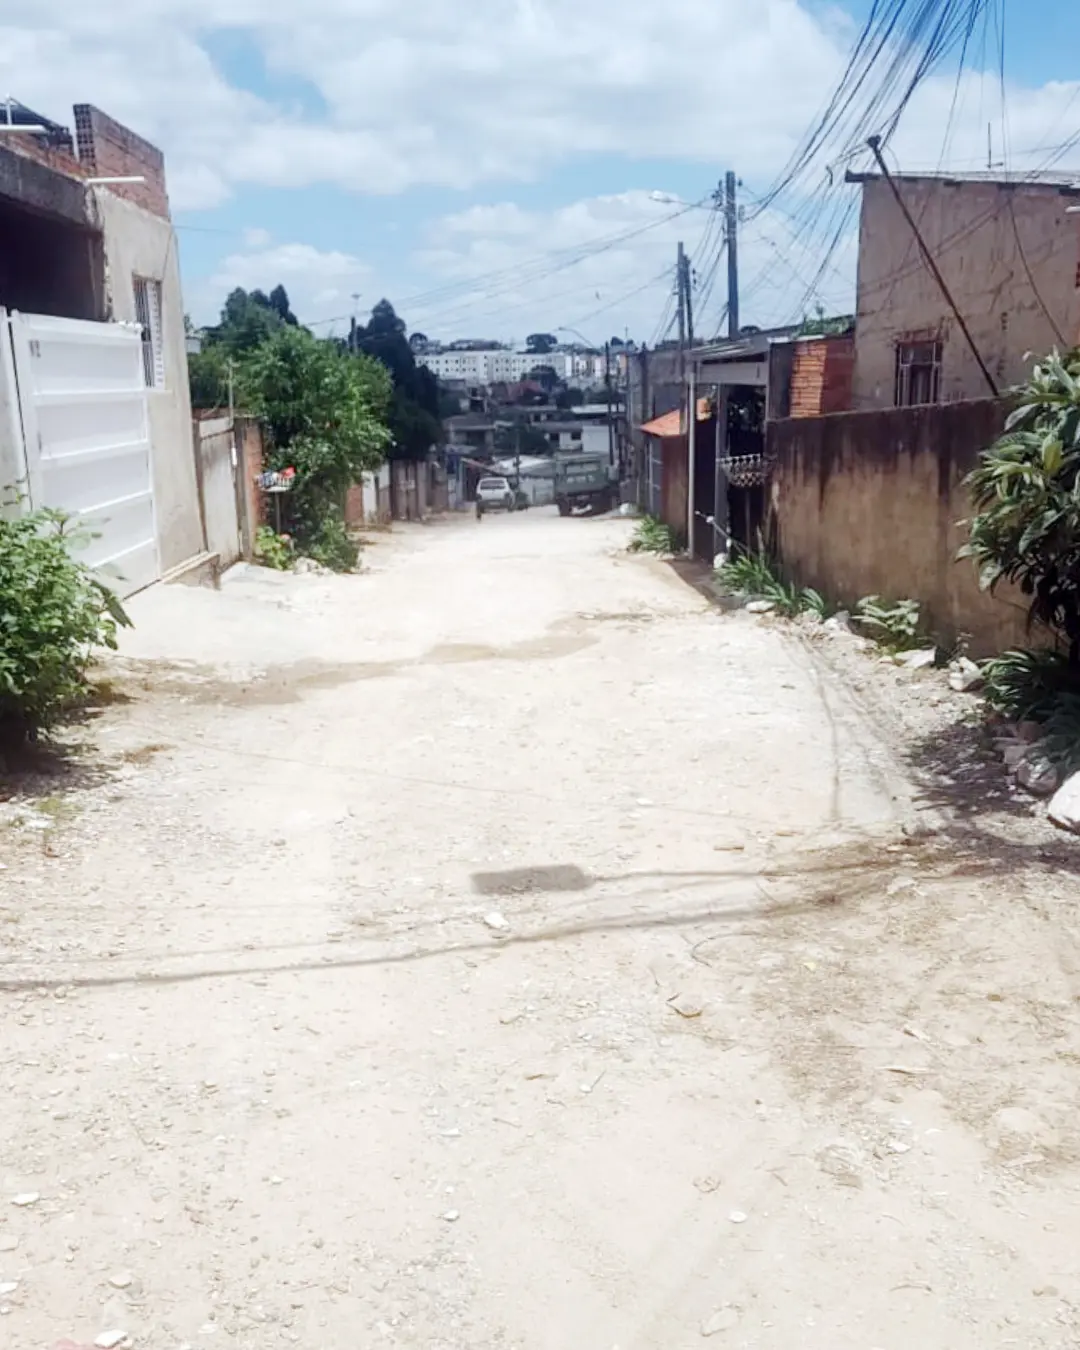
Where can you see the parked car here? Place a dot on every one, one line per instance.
(499, 494)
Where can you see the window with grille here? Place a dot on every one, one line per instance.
(148, 317)
(918, 373)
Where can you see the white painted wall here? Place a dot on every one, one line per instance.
(12, 460)
(138, 243)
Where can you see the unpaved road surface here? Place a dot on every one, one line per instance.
(504, 949)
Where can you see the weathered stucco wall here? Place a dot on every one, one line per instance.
(984, 237)
(869, 503)
(139, 244)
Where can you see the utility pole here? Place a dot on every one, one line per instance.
(607, 389)
(875, 146)
(688, 301)
(680, 268)
(731, 235)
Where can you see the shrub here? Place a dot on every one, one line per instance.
(1026, 493)
(53, 613)
(333, 548)
(325, 413)
(652, 536)
(893, 625)
(1027, 685)
(273, 549)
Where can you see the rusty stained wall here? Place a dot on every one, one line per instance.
(869, 503)
(674, 484)
(970, 229)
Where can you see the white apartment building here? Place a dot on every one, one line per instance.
(497, 365)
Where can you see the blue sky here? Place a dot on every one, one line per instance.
(476, 162)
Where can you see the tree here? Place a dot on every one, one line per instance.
(208, 376)
(545, 376)
(569, 398)
(1026, 493)
(247, 321)
(541, 343)
(279, 303)
(521, 439)
(325, 414)
(415, 414)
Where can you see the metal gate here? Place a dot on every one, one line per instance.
(86, 440)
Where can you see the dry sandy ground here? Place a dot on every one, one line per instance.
(760, 1050)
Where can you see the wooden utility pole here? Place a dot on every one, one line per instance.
(731, 238)
(875, 146)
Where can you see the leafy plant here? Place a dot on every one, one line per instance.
(273, 549)
(1061, 740)
(752, 574)
(333, 548)
(652, 536)
(1028, 685)
(53, 613)
(1026, 493)
(894, 625)
(324, 410)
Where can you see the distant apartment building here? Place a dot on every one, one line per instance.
(499, 365)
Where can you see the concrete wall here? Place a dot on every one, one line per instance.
(972, 229)
(138, 243)
(869, 503)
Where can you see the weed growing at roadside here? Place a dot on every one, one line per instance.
(274, 550)
(895, 626)
(652, 536)
(752, 575)
(333, 547)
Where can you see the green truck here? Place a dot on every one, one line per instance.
(585, 483)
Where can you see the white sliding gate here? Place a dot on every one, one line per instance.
(81, 407)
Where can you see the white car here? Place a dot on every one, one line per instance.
(497, 494)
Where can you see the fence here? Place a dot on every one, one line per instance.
(871, 503)
(228, 461)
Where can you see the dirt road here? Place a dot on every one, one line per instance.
(504, 949)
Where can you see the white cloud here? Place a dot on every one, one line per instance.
(320, 284)
(256, 237)
(446, 93)
(455, 94)
(607, 263)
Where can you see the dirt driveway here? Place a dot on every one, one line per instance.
(504, 949)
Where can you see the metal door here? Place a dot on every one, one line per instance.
(82, 403)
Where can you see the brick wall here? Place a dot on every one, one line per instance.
(821, 376)
(108, 150)
(58, 154)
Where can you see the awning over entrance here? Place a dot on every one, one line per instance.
(670, 424)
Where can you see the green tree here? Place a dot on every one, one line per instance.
(325, 412)
(247, 321)
(415, 413)
(208, 376)
(545, 376)
(279, 303)
(1026, 493)
(541, 343)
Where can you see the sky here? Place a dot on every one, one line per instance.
(502, 167)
